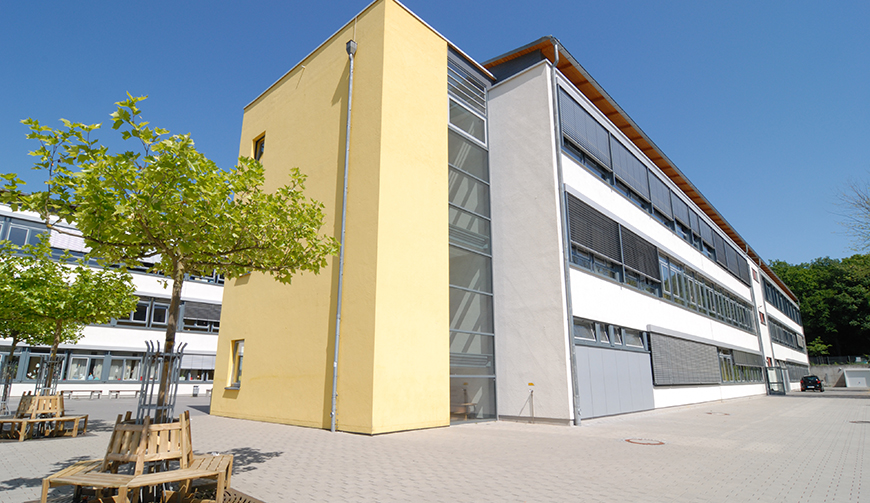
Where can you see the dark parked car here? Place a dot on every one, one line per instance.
(811, 382)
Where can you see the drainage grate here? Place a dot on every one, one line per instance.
(644, 441)
(860, 422)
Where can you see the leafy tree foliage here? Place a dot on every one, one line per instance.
(834, 299)
(45, 301)
(167, 203)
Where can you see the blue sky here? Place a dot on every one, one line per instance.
(765, 106)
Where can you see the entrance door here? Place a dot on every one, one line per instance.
(776, 381)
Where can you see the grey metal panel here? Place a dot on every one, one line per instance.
(660, 195)
(640, 372)
(584, 380)
(596, 380)
(613, 381)
(629, 169)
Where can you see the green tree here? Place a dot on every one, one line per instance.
(51, 301)
(834, 300)
(818, 347)
(167, 203)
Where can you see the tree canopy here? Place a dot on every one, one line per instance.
(834, 300)
(166, 203)
(49, 301)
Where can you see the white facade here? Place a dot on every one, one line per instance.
(567, 333)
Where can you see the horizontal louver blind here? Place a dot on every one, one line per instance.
(660, 195)
(197, 362)
(707, 234)
(468, 89)
(202, 311)
(696, 222)
(639, 255)
(677, 361)
(732, 261)
(583, 130)
(744, 270)
(743, 358)
(681, 210)
(629, 169)
(592, 230)
(720, 250)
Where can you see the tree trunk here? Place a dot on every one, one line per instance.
(58, 328)
(169, 343)
(6, 373)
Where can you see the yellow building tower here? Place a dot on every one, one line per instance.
(276, 349)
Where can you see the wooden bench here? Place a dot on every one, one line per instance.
(116, 393)
(91, 393)
(139, 444)
(45, 410)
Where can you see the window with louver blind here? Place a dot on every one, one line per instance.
(629, 169)
(583, 130)
(660, 196)
(677, 361)
(640, 255)
(592, 230)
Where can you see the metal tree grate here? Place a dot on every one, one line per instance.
(152, 367)
(48, 367)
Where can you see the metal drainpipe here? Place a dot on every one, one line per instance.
(566, 250)
(351, 50)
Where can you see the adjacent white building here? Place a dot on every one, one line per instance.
(108, 357)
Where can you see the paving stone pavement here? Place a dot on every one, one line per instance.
(804, 447)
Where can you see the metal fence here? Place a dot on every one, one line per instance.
(839, 360)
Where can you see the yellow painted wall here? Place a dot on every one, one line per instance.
(393, 366)
(411, 383)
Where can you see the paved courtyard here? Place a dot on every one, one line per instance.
(804, 447)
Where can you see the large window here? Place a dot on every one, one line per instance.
(125, 369)
(774, 297)
(472, 346)
(740, 367)
(781, 334)
(84, 368)
(687, 288)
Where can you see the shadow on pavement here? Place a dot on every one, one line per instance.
(862, 394)
(245, 457)
(7, 485)
(205, 409)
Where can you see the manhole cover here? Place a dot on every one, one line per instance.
(860, 422)
(644, 441)
(718, 413)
